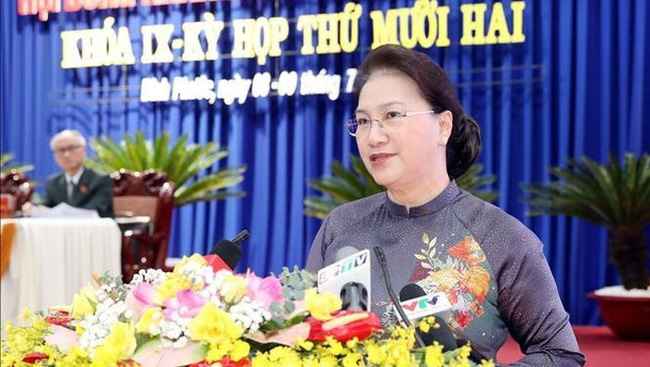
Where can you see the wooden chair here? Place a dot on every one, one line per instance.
(143, 198)
(16, 190)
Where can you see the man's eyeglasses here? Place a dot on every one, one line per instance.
(69, 148)
(361, 125)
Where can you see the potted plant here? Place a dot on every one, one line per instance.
(182, 163)
(348, 185)
(615, 196)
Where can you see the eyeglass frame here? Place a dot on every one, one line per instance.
(69, 148)
(353, 121)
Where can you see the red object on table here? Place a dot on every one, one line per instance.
(344, 326)
(601, 347)
(216, 263)
(34, 357)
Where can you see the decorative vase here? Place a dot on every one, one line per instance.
(628, 317)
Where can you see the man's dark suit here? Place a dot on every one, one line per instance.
(93, 191)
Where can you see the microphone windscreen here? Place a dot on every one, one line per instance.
(443, 335)
(228, 252)
(344, 252)
(411, 291)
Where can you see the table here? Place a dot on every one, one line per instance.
(52, 259)
(598, 344)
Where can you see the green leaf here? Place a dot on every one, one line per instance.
(160, 146)
(609, 195)
(347, 185)
(184, 165)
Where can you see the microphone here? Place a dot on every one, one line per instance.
(226, 254)
(379, 253)
(349, 278)
(241, 237)
(442, 334)
(354, 296)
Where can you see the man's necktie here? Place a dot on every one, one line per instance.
(70, 190)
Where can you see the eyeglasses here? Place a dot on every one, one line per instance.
(69, 148)
(391, 119)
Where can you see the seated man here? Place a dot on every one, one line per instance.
(77, 185)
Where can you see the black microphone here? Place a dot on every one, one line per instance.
(442, 334)
(354, 295)
(229, 251)
(411, 291)
(379, 253)
(241, 237)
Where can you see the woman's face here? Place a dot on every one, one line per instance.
(410, 151)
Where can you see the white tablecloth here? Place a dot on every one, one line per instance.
(52, 259)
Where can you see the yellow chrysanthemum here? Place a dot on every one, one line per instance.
(118, 345)
(233, 289)
(151, 317)
(219, 350)
(488, 363)
(321, 305)
(376, 354)
(213, 326)
(352, 343)
(433, 356)
(352, 360)
(304, 344)
(171, 285)
(240, 350)
(76, 357)
(278, 356)
(310, 361)
(185, 261)
(462, 357)
(334, 346)
(328, 361)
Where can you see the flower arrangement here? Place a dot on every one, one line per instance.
(202, 315)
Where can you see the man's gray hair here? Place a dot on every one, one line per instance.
(68, 132)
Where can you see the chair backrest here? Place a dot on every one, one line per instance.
(16, 184)
(149, 194)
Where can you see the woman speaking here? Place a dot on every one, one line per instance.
(415, 139)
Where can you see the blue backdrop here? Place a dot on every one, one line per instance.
(579, 85)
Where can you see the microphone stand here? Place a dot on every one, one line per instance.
(379, 253)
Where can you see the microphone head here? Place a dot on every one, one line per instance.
(443, 335)
(411, 291)
(354, 297)
(344, 252)
(228, 252)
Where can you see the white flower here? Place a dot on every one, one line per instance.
(147, 275)
(249, 314)
(98, 325)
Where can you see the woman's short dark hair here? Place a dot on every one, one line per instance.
(464, 144)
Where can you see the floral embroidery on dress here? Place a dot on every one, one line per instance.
(461, 272)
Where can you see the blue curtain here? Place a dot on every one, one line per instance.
(579, 85)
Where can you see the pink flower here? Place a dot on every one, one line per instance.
(62, 338)
(186, 304)
(140, 298)
(265, 291)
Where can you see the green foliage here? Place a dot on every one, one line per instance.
(613, 195)
(296, 282)
(609, 195)
(182, 163)
(5, 158)
(349, 185)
